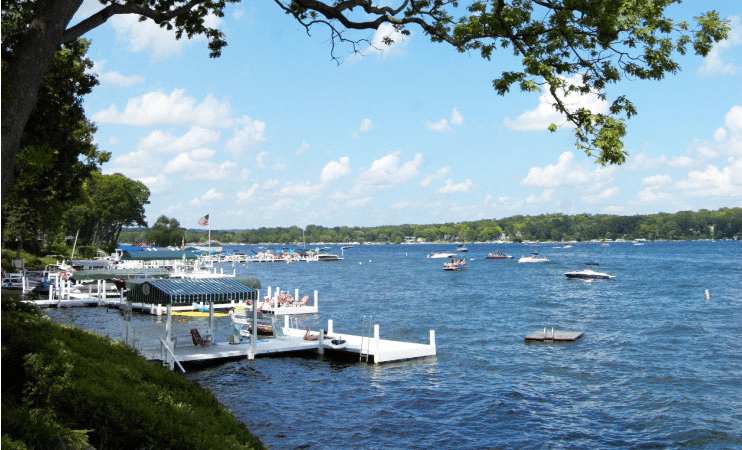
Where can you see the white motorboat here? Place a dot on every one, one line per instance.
(588, 273)
(438, 255)
(533, 258)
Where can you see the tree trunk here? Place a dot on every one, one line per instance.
(25, 72)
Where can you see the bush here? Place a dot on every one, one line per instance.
(63, 384)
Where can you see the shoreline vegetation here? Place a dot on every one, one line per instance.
(66, 388)
(725, 223)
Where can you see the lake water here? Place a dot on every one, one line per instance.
(659, 365)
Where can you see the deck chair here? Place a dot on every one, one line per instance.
(197, 339)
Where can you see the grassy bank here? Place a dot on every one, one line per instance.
(63, 387)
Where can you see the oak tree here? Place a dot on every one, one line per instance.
(597, 42)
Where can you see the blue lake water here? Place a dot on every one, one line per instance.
(659, 366)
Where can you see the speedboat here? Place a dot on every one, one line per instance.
(462, 249)
(533, 258)
(498, 255)
(588, 273)
(437, 255)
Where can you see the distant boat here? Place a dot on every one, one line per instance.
(533, 258)
(588, 273)
(328, 257)
(498, 255)
(436, 255)
(462, 249)
(454, 264)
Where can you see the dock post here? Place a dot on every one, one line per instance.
(432, 338)
(329, 327)
(321, 342)
(316, 299)
(376, 342)
(296, 294)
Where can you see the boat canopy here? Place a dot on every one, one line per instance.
(114, 274)
(186, 292)
(155, 255)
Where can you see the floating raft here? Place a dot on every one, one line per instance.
(554, 335)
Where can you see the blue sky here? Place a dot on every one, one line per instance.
(275, 133)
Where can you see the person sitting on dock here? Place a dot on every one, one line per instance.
(308, 336)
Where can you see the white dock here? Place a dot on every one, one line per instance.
(370, 348)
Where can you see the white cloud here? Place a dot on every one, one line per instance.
(544, 114)
(210, 196)
(334, 170)
(456, 117)
(380, 48)
(261, 159)
(601, 196)
(155, 108)
(565, 173)
(386, 172)
(714, 182)
(197, 164)
(544, 197)
(642, 162)
(440, 126)
(248, 135)
(715, 63)
(114, 77)
(452, 188)
(445, 125)
(657, 180)
(442, 172)
(301, 189)
(159, 141)
(147, 35)
(246, 195)
(359, 202)
(366, 126)
(305, 146)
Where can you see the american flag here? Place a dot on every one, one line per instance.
(204, 220)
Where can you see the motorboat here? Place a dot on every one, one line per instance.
(438, 255)
(498, 255)
(588, 273)
(328, 257)
(454, 265)
(533, 258)
(462, 249)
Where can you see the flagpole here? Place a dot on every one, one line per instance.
(209, 244)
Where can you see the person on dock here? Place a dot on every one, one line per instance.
(308, 336)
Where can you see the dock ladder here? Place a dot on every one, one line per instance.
(366, 337)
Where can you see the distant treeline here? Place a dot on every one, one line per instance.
(725, 223)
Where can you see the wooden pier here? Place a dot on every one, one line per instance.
(554, 336)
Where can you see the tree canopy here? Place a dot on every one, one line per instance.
(567, 47)
(57, 151)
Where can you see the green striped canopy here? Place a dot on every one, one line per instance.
(186, 292)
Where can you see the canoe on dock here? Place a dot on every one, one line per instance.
(554, 335)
